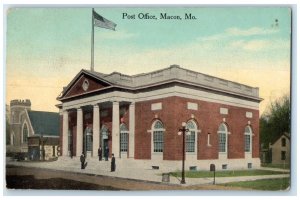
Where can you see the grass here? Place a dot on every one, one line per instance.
(265, 184)
(229, 173)
(281, 166)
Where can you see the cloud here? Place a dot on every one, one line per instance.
(255, 45)
(238, 32)
(242, 39)
(260, 44)
(249, 32)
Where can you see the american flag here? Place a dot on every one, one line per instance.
(102, 22)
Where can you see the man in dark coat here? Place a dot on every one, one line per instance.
(82, 160)
(106, 153)
(100, 153)
(113, 163)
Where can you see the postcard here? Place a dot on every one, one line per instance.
(148, 98)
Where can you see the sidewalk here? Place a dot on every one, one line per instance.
(129, 170)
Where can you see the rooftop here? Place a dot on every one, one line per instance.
(44, 123)
(176, 73)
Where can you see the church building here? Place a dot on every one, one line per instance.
(34, 135)
(138, 117)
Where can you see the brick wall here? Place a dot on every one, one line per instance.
(208, 118)
(174, 111)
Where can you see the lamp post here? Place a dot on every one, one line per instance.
(183, 131)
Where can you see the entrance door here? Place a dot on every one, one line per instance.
(104, 138)
(105, 143)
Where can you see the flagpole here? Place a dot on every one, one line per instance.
(92, 41)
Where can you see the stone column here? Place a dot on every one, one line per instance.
(96, 130)
(65, 133)
(131, 129)
(116, 129)
(79, 132)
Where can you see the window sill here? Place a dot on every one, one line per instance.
(157, 153)
(190, 153)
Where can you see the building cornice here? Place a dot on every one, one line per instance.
(162, 78)
(135, 90)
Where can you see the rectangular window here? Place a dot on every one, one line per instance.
(190, 142)
(247, 143)
(283, 142)
(224, 166)
(222, 142)
(249, 165)
(283, 155)
(53, 151)
(123, 142)
(158, 141)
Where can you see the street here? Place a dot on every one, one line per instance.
(36, 178)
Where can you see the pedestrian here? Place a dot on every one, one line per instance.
(106, 153)
(113, 163)
(100, 153)
(82, 160)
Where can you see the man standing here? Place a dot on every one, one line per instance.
(100, 153)
(82, 160)
(113, 163)
(106, 153)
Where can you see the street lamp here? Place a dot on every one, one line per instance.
(183, 131)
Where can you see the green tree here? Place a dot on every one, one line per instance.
(276, 120)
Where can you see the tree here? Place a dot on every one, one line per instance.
(275, 121)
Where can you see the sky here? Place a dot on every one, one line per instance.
(47, 47)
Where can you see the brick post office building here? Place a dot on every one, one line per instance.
(138, 118)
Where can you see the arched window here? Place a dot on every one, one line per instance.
(123, 138)
(25, 133)
(190, 137)
(104, 132)
(283, 142)
(222, 131)
(248, 139)
(158, 136)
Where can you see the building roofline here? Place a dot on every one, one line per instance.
(174, 73)
(26, 112)
(134, 89)
(278, 137)
(82, 71)
(164, 69)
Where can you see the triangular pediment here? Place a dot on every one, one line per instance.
(84, 83)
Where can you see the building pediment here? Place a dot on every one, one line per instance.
(84, 83)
